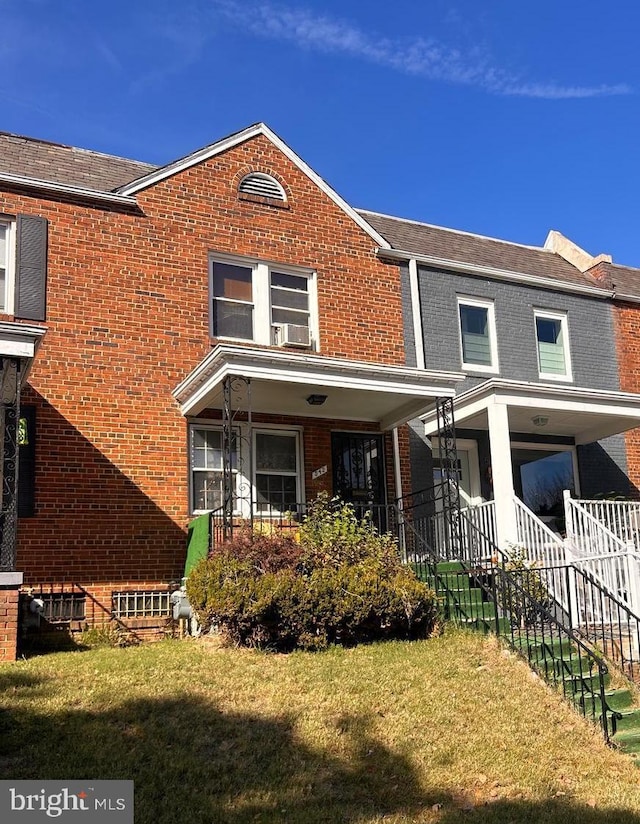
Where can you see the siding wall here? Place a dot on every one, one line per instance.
(592, 343)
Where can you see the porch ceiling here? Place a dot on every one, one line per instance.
(586, 415)
(282, 380)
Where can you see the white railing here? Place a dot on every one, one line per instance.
(622, 518)
(595, 548)
(479, 531)
(543, 548)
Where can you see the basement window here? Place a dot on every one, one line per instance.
(148, 603)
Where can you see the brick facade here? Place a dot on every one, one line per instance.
(128, 318)
(627, 321)
(9, 598)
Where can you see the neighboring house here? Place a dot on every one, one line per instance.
(227, 303)
(544, 402)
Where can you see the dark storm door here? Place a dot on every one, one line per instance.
(358, 473)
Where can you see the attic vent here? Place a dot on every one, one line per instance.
(260, 185)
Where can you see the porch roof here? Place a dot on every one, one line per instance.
(586, 415)
(282, 380)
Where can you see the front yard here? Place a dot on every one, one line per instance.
(446, 730)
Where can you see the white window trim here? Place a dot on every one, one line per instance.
(242, 473)
(554, 447)
(464, 300)
(216, 427)
(280, 430)
(10, 279)
(261, 290)
(564, 331)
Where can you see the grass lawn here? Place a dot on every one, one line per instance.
(453, 729)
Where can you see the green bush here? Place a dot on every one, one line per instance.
(343, 583)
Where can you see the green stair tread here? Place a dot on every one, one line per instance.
(450, 566)
(617, 699)
(630, 720)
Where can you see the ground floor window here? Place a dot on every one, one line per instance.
(266, 467)
(277, 470)
(207, 468)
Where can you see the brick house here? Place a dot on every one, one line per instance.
(232, 291)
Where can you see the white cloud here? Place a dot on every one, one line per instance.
(423, 57)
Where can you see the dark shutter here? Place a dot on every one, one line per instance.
(27, 462)
(31, 268)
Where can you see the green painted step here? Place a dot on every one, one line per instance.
(619, 699)
(462, 596)
(628, 741)
(450, 566)
(551, 648)
(589, 683)
(630, 721)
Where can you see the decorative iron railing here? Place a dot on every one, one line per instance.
(513, 604)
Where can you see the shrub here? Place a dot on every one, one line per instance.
(343, 583)
(530, 595)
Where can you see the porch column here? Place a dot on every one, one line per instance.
(502, 473)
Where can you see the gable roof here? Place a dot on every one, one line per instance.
(426, 240)
(66, 165)
(213, 149)
(54, 166)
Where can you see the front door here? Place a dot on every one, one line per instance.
(358, 473)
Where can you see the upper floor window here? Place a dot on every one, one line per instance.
(478, 335)
(264, 303)
(6, 265)
(552, 340)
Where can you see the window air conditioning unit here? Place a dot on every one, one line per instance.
(290, 334)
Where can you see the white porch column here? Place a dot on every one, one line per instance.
(502, 473)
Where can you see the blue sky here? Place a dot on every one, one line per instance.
(502, 118)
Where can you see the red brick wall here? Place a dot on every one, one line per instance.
(8, 623)
(627, 322)
(128, 319)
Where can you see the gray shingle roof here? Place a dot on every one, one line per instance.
(449, 244)
(27, 157)
(624, 279)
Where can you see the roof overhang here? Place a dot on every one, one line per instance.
(282, 381)
(20, 340)
(586, 415)
(495, 273)
(68, 190)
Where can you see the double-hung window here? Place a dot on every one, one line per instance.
(277, 470)
(276, 465)
(232, 288)
(552, 342)
(7, 242)
(263, 302)
(477, 335)
(206, 461)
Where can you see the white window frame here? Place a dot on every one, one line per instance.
(546, 314)
(261, 293)
(7, 307)
(215, 427)
(554, 447)
(479, 303)
(295, 431)
(242, 480)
